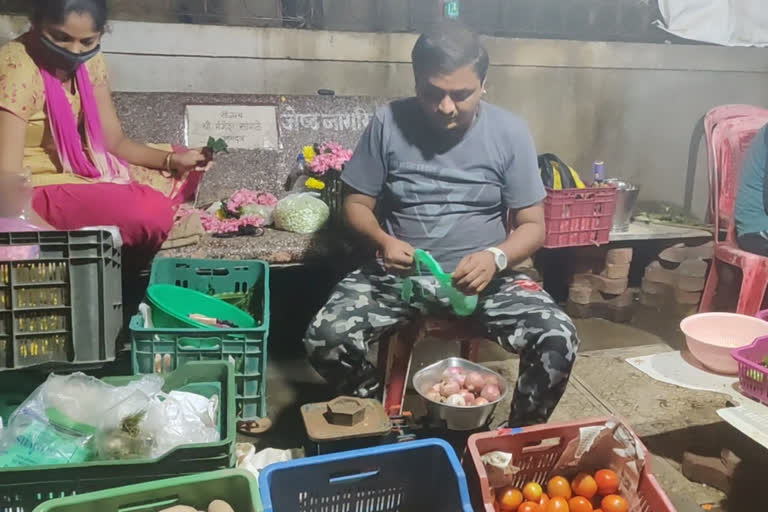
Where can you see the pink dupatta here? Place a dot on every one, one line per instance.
(101, 165)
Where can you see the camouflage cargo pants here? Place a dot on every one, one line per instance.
(367, 306)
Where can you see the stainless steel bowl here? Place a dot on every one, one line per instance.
(457, 418)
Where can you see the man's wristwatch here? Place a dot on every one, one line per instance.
(500, 258)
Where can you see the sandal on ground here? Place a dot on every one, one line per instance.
(254, 427)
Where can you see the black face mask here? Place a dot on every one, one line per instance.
(63, 59)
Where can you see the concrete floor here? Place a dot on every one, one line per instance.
(667, 419)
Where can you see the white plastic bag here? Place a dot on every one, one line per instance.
(253, 462)
(301, 213)
(180, 418)
(725, 22)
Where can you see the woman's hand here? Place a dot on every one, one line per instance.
(188, 161)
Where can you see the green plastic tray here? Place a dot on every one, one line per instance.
(173, 305)
(21, 489)
(237, 487)
(247, 348)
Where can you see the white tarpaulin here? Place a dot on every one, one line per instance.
(724, 22)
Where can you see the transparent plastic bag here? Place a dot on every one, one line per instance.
(301, 213)
(76, 418)
(180, 418)
(260, 210)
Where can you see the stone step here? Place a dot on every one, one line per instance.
(586, 295)
(690, 276)
(603, 310)
(602, 284)
(619, 256)
(680, 253)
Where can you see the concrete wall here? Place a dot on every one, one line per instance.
(633, 105)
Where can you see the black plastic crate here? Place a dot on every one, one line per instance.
(64, 308)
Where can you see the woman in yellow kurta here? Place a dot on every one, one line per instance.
(57, 119)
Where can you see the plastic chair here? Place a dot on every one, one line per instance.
(728, 138)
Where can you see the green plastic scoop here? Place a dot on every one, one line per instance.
(462, 305)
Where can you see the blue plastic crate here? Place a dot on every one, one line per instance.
(406, 477)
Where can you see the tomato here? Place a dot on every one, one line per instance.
(558, 504)
(544, 501)
(510, 499)
(614, 503)
(532, 491)
(580, 504)
(607, 482)
(584, 485)
(559, 486)
(530, 506)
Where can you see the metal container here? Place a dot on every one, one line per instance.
(457, 418)
(626, 200)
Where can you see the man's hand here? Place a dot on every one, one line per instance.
(397, 256)
(474, 273)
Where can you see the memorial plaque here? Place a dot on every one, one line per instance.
(242, 127)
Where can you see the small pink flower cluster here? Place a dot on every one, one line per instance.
(331, 157)
(213, 225)
(245, 197)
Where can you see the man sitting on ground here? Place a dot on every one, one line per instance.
(440, 172)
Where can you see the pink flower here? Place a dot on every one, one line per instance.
(332, 156)
(213, 225)
(245, 197)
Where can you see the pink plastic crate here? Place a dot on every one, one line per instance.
(753, 376)
(535, 451)
(579, 216)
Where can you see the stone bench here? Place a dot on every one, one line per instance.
(300, 121)
(278, 248)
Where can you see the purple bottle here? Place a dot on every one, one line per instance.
(598, 171)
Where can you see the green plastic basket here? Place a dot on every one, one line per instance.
(173, 305)
(246, 348)
(21, 489)
(237, 487)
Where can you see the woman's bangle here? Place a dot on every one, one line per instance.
(168, 162)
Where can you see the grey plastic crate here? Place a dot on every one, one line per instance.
(64, 308)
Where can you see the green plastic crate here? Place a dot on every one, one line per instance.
(22, 489)
(237, 487)
(247, 348)
(63, 309)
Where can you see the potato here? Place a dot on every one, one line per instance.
(220, 506)
(179, 508)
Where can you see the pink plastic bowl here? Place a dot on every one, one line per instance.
(712, 336)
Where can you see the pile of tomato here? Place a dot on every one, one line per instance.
(585, 493)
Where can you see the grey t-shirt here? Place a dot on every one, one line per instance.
(451, 200)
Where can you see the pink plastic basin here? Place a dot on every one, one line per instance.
(712, 336)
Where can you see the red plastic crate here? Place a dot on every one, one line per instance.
(535, 451)
(579, 216)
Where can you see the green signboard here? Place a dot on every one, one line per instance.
(452, 9)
